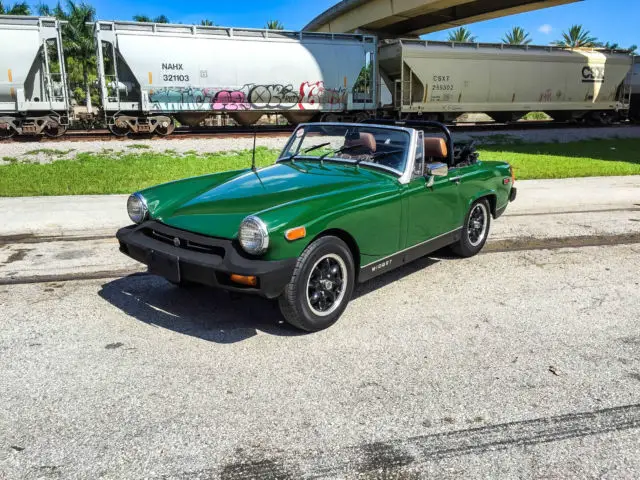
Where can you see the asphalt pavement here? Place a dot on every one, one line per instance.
(522, 362)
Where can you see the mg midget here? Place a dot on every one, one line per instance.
(342, 204)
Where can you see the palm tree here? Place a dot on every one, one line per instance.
(78, 40)
(148, 19)
(616, 46)
(21, 8)
(46, 11)
(206, 23)
(576, 37)
(517, 36)
(462, 35)
(274, 25)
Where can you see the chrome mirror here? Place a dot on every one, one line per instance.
(433, 170)
(437, 169)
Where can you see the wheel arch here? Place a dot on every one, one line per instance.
(491, 197)
(347, 238)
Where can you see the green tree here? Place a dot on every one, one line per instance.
(206, 23)
(21, 8)
(616, 46)
(45, 10)
(148, 19)
(577, 36)
(274, 25)
(517, 36)
(78, 42)
(462, 35)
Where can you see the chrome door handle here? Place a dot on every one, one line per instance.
(455, 179)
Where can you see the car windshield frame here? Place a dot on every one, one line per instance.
(300, 155)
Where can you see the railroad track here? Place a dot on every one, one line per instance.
(273, 131)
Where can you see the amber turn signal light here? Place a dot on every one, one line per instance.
(295, 233)
(249, 281)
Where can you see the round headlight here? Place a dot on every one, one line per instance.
(137, 208)
(253, 235)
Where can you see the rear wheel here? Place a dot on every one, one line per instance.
(321, 285)
(475, 230)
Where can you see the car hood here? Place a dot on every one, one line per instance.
(214, 206)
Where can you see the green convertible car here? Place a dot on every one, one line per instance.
(342, 204)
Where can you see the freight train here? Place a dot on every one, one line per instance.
(153, 76)
(633, 81)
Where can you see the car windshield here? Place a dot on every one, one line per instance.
(365, 144)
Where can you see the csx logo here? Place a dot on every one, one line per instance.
(592, 74)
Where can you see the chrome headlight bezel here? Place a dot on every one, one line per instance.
(141, 202)
(259, 227)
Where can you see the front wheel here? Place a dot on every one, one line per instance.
(320, 287)
(475, 230)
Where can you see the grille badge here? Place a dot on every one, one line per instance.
(176, 241)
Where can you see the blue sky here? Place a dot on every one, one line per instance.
(609, 20)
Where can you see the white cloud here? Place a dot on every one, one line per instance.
(546, 29)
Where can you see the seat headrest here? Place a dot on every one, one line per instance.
(435, 147)
(366, 140)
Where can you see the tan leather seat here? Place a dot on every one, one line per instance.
(435, 147)
(366, 141)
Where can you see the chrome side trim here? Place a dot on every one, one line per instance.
(410, 248)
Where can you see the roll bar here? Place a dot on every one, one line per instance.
(417, 124)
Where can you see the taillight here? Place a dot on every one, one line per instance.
(513, 175)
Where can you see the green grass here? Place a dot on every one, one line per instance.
(49, 151)
(99, 174)
(105, 172)
(536, 116)
(564, 160)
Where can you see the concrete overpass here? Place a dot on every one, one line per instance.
(416, 17)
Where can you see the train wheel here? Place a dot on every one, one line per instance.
(55, 131)
(6, 133)
(168, 130)
(331, 118)
(118, 131)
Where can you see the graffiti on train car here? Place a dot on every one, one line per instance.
(250, 97)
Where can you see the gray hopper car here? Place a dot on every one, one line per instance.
(441, 80)
(34, 98)
(151, 74)
(633, 81)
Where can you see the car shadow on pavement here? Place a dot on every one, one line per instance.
(198, 311)
(215, 315)
(382, 281)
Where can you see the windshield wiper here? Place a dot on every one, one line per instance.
(307, 150)
(340, 150)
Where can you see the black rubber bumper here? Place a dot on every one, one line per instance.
(513, 194)
(179, 255)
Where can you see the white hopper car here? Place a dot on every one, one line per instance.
(633, 80)
(162, 72)
(441, 80)
(34, 98)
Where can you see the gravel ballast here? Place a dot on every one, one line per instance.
(46, 152)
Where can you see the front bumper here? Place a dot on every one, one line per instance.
(179, 255)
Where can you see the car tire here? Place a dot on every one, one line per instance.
(475, 230)
(321, 285)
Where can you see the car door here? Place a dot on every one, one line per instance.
(432, 211)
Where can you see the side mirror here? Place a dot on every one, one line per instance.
(433, 170)
(437, 169)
